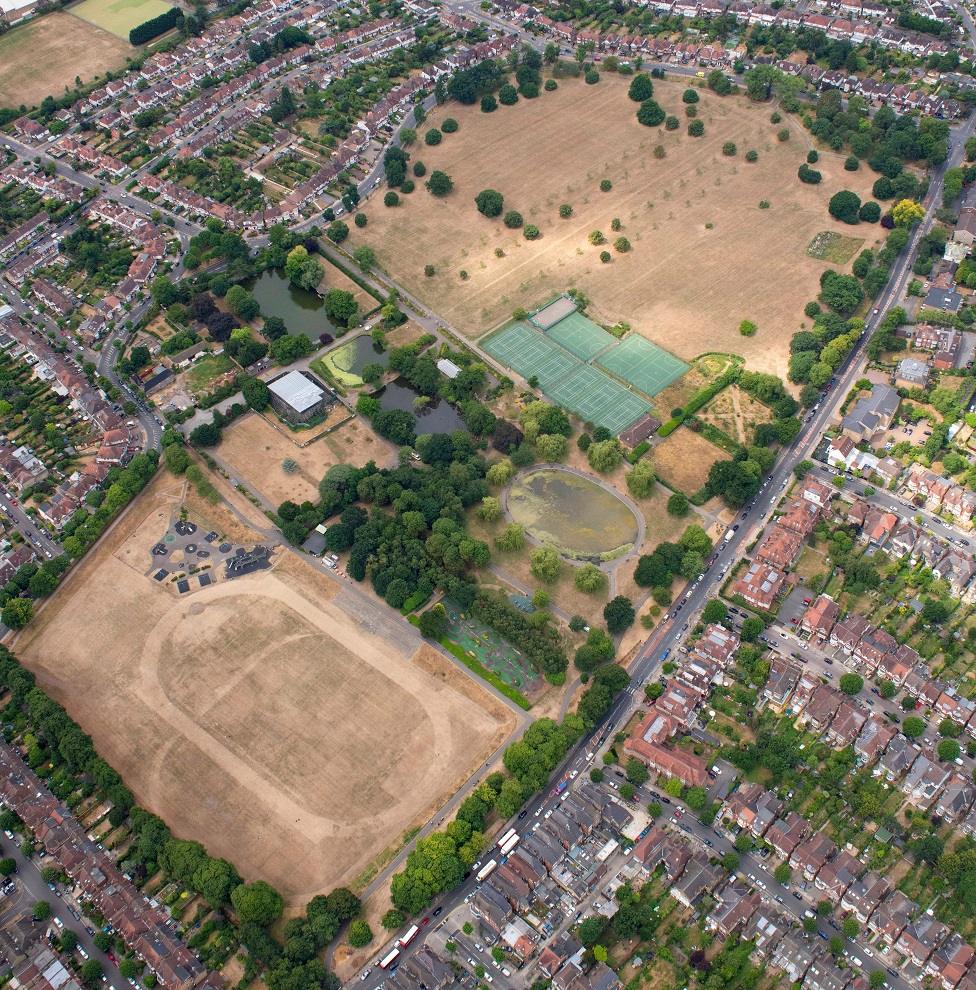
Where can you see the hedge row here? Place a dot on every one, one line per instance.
(156, 26)
(702, 396)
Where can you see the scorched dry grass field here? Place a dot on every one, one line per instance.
(279, 718)
(703, 257)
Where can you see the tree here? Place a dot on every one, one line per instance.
(545, 564)
(913, 727)
(641, 88)
(365, 257)
(678, 505)
(605, 455)
(256, 394)
(512, 219)
(565, 211)
(508, 95)
(851, 683)
(41, 911)
(433, 137)
(844, 206)
(650, 114)
(531, 232)
(906, 212)
(782, 873)
(690, 96)
(338, 230)
(637, 772)
(948, 750)
(696, 128)
(640, 481)
(618, 614)
(303, 270)
(590, 930)
(888, 688)
(391, 199)
(489, 202)
(257, 903)
(91, 972)
(242, 302)
(714, 611)
(850, 927)
(433, 623)
(360, 933)
(589, 579)
(439, 183)
(17, 613)
(488, 103)
(341, 307)
(7, 866)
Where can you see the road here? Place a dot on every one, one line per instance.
(748, 523)
(29, 875)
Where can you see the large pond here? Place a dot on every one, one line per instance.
(436, 416)
(575, 515)
(347, 361)
(301, 310)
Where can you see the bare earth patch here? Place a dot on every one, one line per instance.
(736, 413)
(704, 255)
(277, 718)
(255, 450)
(684, 458)
(41, 57)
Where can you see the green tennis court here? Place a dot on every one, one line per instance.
(597, 399)
(528, 352)
(580, 336)
(643, 364)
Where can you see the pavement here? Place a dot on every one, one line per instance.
(746, 526)
(29, 874)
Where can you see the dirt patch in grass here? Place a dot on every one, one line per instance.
(255, 451)
(836, 248)
(287, 731)
(699, 241)
(684, 458)
(41, 57)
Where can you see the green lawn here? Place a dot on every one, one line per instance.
(202, 375)
(119, 16)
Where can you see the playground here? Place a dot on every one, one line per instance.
(492, 652)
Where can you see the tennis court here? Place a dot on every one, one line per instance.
(580, 336)
(598, 399)
(553, 312)
(528, 352)
(643, 364)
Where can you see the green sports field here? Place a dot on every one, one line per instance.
(643, 364)
(118, 16)
(577, 364)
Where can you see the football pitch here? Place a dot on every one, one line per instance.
(118, 16)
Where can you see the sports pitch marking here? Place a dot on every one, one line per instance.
(643, 364)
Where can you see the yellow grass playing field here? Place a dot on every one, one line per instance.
(279, 718)
(703, 256)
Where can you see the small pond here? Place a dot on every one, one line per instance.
(437, 416)
(574, 514)
(301, 310)
(347, 361)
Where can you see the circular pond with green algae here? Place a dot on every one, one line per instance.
(574, 514)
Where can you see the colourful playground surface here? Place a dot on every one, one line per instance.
(491, 651)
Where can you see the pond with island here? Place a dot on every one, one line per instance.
(572, 513)
(302, 311)
(433, 416)
(348, 360)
